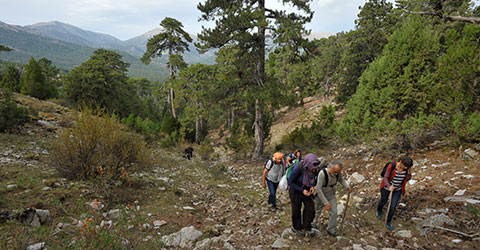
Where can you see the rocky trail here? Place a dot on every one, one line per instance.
(221, 205)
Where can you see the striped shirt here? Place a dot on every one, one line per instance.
(397, 180)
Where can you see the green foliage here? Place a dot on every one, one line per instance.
(467, 127)
(240, 144)
(102, 81)
(34, 82)
(11, 115)
(318, 134)
(98, 148)
(397, 85)
(170, 140)
(206, 149)
(11, 79)
(169, 124)
(146, 127)
(374, 25)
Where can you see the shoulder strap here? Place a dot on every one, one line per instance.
(326, 177)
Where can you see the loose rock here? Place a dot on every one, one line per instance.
(182, 238)
(37, 246)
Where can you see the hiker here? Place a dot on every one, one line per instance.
(302, 183)
(189, 152)
(328, 177)
(272, 173)
(396, 176)
(292, 159)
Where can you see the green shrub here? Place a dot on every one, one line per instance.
(170, 140)
(11, 116)
(146, 127)
(169, 124)
(467, 127)
(241, 144)
(98, 147)
(205, 149)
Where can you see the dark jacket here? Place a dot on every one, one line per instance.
(296, 178)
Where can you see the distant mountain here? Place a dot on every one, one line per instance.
(66, 55)
(138, 46)
(69, 33)
(135, 46)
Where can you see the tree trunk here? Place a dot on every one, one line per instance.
(197, 127)
(232, 120)
(260, 78)
(172, 94)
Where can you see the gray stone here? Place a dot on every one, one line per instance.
(477, 147)
(356, 178)
(403, 234)
(434, 221)
(461, 199)
(159, 223)
(182, 238)
(37, 246)
(12, 186)
(368, 247)
(469, 154)
(456, 241)
(114, 214)
(44, 216)
(45, 188)
(107, 224)
(358, 247)
(280, 243)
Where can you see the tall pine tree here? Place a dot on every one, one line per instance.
(245, 23)
(173, 40)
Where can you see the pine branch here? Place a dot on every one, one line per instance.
(474, 20)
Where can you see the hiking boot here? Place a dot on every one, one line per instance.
(390, 227)
(298, 232)
(332, 234)
(379, 215)
(310, 233)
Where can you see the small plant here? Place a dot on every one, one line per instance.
(205, 150)
(98, 147)
(11, 116)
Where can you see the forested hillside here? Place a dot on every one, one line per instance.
(95, 158)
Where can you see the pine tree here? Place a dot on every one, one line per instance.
(244, 23)
(34, 83)
(173, 40)
(11, 79)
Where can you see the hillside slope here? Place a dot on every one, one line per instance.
(222, 200)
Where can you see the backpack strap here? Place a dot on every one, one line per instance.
(326, 178)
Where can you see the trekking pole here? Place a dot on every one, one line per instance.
(345, 212)
(389, 203)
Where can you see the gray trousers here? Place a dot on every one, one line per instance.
(332, 221)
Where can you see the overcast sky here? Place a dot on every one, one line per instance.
(125, 19)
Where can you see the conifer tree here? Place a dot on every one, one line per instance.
(173, 40)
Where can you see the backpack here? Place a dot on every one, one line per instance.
(324, 169)
(290, 169)
(382, 174)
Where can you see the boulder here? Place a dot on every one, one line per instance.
(114, 214)
(37, 246)
(434, 221)
(280, 243)
(356, 178)
(182, 238)
(159, 223)
(403, 234)
(469, 154)
(43, 215)
(214, 243)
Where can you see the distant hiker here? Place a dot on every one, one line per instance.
(273, 171)
(396, 175)
(189, 152)
(302, 183)
(292, 159)
(327, 179)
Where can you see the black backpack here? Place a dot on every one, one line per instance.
(382, 174)
(324, 169)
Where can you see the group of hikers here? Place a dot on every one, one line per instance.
(312, 180)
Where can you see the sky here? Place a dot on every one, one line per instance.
(126, 19)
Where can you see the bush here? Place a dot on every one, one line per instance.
(242, 145)
(98, 147)
(205, 149)
(170, 140)
(146, 127)
(467, 127)
(11, 116)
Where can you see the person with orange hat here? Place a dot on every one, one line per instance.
(272, 174)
